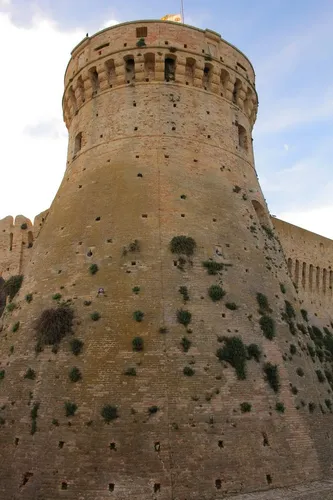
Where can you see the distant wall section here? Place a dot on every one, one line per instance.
(310, 262)
(17, 238)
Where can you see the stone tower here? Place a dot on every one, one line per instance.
(160, 116)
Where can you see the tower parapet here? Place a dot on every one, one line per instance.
(158, 51)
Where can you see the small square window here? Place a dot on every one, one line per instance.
(142, 32)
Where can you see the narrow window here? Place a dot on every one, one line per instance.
(30, 239)
(224, 78)
(169, 69)
(78, 143)
(129, 69)
(248, 101)
(149, 66)
(80, 86)
(317, 278)
(190, 70)
(324, 280)
(11, 241)
(207, 76)
(235, 94)
(94, 80)
(242, 137)
(142, 32)
(296, 278)
(72, 99)
(310, 276)
(290, 266)
(304, 275)
(111, 72)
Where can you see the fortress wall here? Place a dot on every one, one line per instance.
(16, 242)
(310, 263)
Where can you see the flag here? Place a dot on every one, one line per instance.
(177, 18)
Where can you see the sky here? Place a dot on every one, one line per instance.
(289, 42)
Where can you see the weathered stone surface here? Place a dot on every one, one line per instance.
(149, 160)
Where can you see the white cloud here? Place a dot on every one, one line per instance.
(33, 136)
(5, 3)
(286, 147)
(318, 220)
(107, 24)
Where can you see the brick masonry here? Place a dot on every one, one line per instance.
(159, 146)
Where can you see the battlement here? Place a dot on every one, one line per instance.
(158, 51)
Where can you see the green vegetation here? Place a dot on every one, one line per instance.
(311, 350)
(131, 372)
(300, 372)
(184, 292)
(95, 316)
(153, 409)
(304, 314)
(93, 268)
(141, 42)
(212, 266)
(75, 375)
(267, 326)
(320, 376)
(232, 306)
(56, 296)
(280, 407)
(292, 327)
(136, 290)
(254, 352)
(11, 306)
(263, 303)
(216, 293)
(301, 328)
(292, 349)
(13, 285)
(16, 326)
(2, 374)
(186, 344)
(269, 232)
(30, 374)
(183, 245)
(134, 246)
(33, 415)
(28, 297)
(188, 371)
(294, 390)
(138, 316)
(312, 407)
(184, 317)
(109, 413)
(289, 309)
(137, 344)
(55, 422)
(76, 346)
(245, 407)
(282, 288)
(70, 409)
(234, 352)
(272, 376)
(53, 324)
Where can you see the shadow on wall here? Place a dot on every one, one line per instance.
(3, 296)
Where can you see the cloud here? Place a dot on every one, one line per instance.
(107, 24)
(318, 220)
(33, 136)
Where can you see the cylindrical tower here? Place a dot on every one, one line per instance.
(160, 207)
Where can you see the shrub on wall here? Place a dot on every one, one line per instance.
(188, 371)
(280, 407)
(184, 292)
(254, 352)
(16, 326)
(70, 409)
(28, 297)
(272, 376)
(290, 311)
(183, 245)
(212, 266)
(304, 314)
(75, 375)
(245, 407)
(109, 413)
(267, 326)
(216, 293)
(30, 374)
(138, 316)
(186, 344)
(93, 268)
(13, 285)
(184, 317)
(234, 352)
(137, 344)
(53, 324)
(95, 316)
(263, 303)
(76, 346)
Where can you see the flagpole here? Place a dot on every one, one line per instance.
(182, 10)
